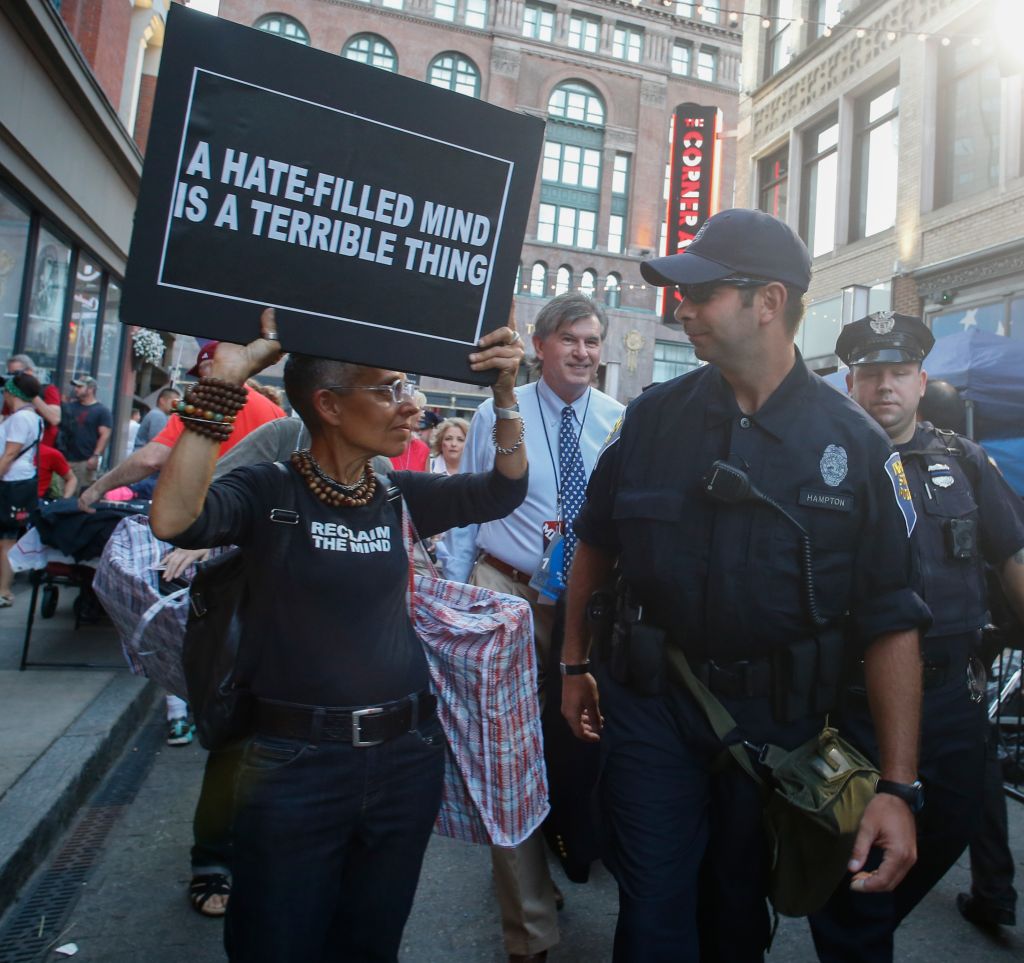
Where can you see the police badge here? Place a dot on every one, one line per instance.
(834, 465)
(882, 322)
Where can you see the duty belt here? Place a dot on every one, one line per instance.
(362, 726)
(746, 679)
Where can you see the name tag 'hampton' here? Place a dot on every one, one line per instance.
(829, 500)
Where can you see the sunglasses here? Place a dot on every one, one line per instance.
(399, 391)
(704, 291)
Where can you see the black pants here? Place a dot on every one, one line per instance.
(211, 824)
(683, 831)
(855, 927)
(991, 859)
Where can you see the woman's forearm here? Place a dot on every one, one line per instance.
(184, 482)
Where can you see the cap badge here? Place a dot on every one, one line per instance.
(882, 322)
(697, 236)
(834, 465)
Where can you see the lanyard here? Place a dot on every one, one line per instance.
(547, 441)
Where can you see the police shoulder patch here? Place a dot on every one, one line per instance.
(613, 436)
(894, 469)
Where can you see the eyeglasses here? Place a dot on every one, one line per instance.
(704, 291)
(399, 390)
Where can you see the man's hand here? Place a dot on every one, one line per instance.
(89, 497)
(581, 706)
(888, 824)
(93, 462)
(237, 363)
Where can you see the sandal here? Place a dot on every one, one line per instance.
(203, 887)
(6, 601)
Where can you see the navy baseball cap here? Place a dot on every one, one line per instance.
(884, 338)
(736, 243)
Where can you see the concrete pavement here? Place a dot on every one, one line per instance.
(62, 728)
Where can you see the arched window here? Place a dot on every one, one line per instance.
(588, 282)
(455, 72)
(283, 26)
(570, 194)
(368, 48)
(575, 100)
(539, 279)
(612, 290)
(563, 280)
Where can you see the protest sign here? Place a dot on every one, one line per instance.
(382, 217)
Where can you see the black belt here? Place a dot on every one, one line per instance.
(746, 679)
(361, 725)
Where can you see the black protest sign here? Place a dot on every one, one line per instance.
(381, 216)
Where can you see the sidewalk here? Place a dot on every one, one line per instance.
(60, 728)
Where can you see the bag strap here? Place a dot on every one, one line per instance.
(39, 438)
(717, 715)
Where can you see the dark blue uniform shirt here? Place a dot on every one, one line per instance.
(951, 486)
(725, 580)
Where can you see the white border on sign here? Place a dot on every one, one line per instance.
(319, 314)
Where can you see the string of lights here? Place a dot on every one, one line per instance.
(822, 27)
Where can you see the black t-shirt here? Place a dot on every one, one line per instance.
(326, 614)
(86, 421)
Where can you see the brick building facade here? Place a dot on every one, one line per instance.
(606, 76)
(889, 133)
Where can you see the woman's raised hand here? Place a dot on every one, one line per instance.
(237, 363)
(501, 350)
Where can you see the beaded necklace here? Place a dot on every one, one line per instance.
(329, 490)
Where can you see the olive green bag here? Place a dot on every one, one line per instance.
(813, 796)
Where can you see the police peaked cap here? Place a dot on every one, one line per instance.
(736, 243)
(884, 338)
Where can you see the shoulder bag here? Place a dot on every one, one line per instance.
(480, 652)
(813, 797)
(217, 668)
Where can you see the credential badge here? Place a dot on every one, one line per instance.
(941, 476)
(834, 465)
(882, 322)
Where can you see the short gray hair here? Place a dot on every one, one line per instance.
(567, 309)
(24, 360)
(304, 375)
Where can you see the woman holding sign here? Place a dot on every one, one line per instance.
(341, 777)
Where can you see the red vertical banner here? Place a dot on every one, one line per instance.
(693, 185)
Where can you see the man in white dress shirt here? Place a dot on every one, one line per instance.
(566, 422)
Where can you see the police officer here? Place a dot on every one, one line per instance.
(725, 583)
(967, 515)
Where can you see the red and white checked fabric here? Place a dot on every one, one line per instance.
(479, 647)
(151, 626)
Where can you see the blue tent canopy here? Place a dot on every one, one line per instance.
(987, 369)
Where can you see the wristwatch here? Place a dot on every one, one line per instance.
(580, 668)
(510, 414)
(911, 793)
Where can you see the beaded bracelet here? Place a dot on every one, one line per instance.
(515, 447)
(209, 408)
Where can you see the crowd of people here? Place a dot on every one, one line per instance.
(844, 573)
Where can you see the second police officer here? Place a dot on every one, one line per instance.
(967, 516)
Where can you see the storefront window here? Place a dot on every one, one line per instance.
(1017, 318)
(46, 305)
(85, 306)
(14, 227)
(110, 345)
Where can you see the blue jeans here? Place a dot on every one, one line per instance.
(328, 841)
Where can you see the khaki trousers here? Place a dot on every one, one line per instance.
(526, 893)
(85, 475)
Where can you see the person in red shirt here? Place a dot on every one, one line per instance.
(153, 456)
(417, 456)
(51, 462)
(47, 405)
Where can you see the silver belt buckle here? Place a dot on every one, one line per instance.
(357, 720)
